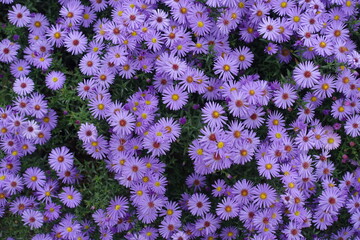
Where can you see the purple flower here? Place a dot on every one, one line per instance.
(32, 218)
(61, 159)
(70, 197)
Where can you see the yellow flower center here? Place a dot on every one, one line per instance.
(283, 4)
(175, 97)
(268, 166)
(226, 68)
(325, 86)
(101, 106)
(263, 195)
(200, 24)
(215, 114)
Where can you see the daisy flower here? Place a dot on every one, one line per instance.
(55, 80)
(70, 197)
(226, 67)
(306, 74)
(174, 97)
(213, 114)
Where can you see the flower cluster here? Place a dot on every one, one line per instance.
(190, 49)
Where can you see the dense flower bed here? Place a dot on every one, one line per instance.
(179, 119)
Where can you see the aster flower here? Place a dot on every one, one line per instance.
(34, 178)
(242, 191)
(89, 64)
(72, 12)
(23, 86)
(19, 15)
(55, 80)
(87, 132)
(75, 42)
(148, 209)
(200, 23)
(20, 68)
(306, 74)
(32, 218)
(118, 207)
(226, 67)
(269, 28)
(213, 114)
(323, 46)
(285, 96)
(70, 197)
(245, 57)
(174, 97)
(228, 208)
(172, 65)
(8, 51)
(159, 19)
(123, 122)
(264, 195)
(55, 35)
(69, 228)
(38, 24)
(331, 200)
(268, 167)
(332, 141)
(61, 159)
(352, 126)
(13, 184)
(199, 204)
(168, 227)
